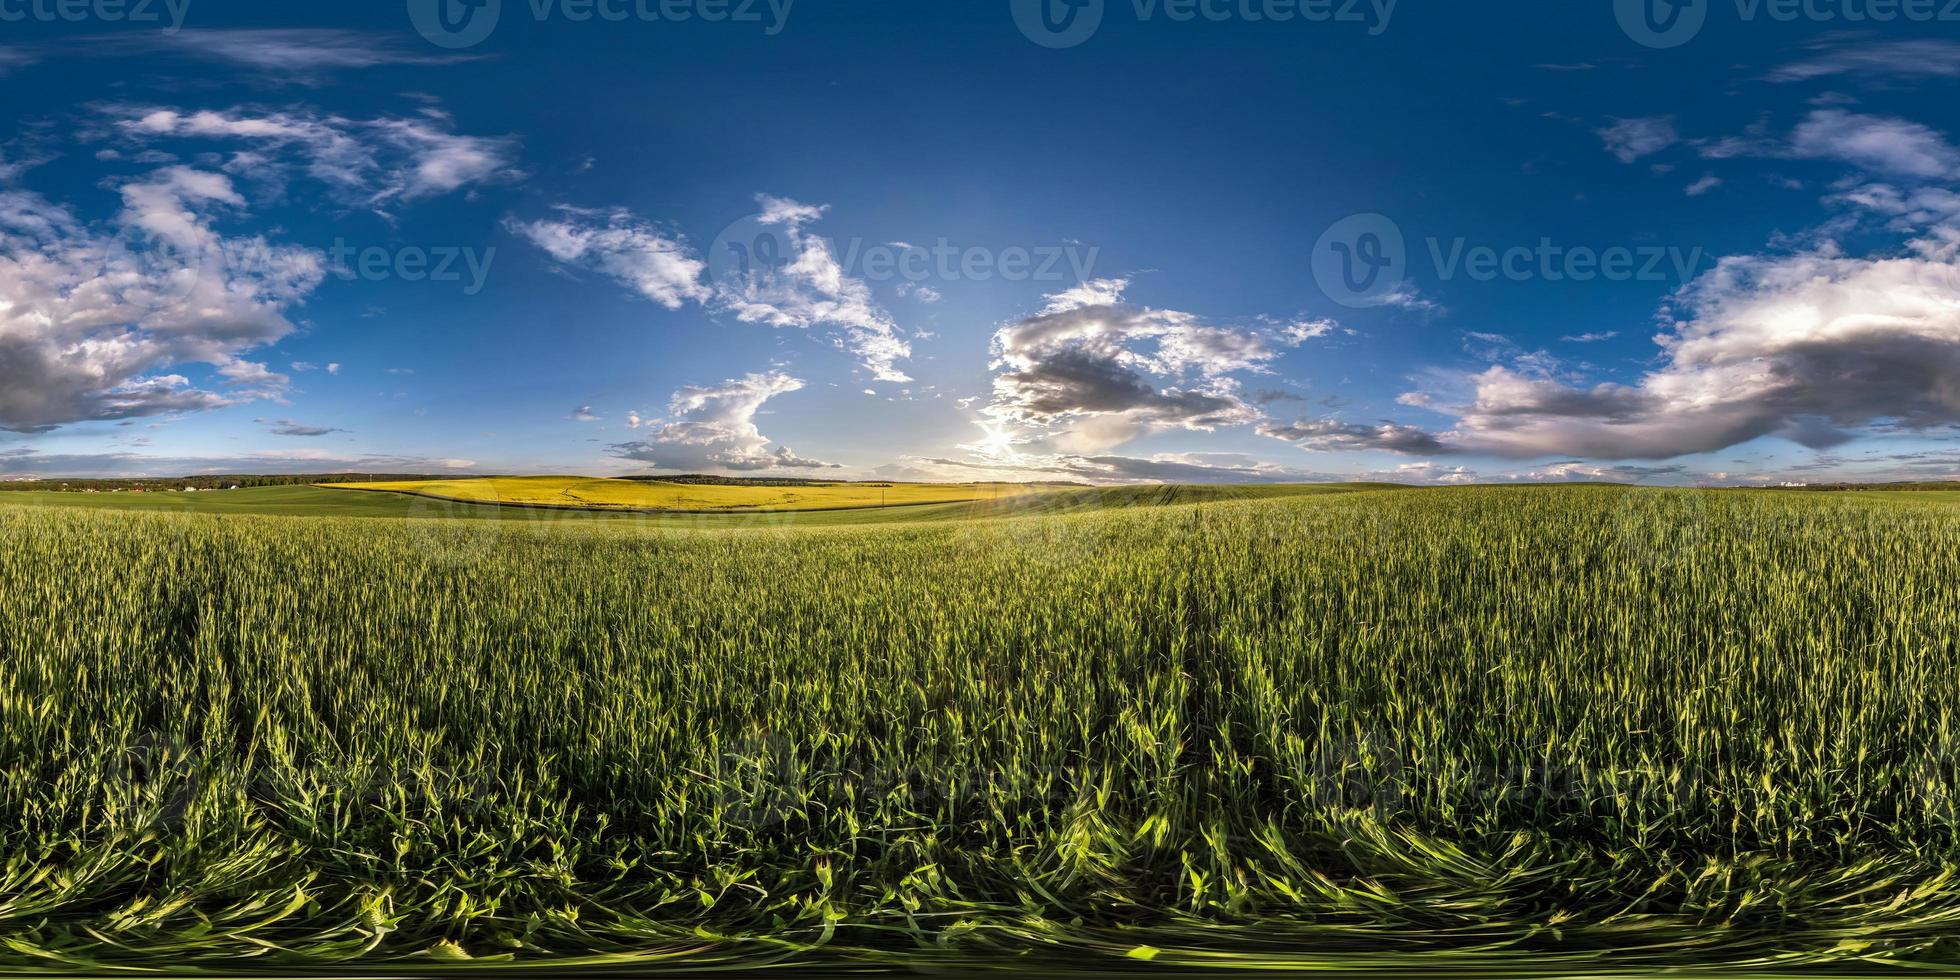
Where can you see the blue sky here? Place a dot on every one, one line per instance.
(1245, 240)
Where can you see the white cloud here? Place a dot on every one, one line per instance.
(1580, 471)
(713, 429)
(1707, 183)
(808, 289)
(92, 323)
(1805, 346)
(1423, 473)
(1885, 144)
(1105, 372)
(1631, 139)
(632, 252)
(297, 54)
(304, 56)
(811, 289)
(371, 162)
(1303, 331)
(1092, 292)
(583, 413)
(1921, 57)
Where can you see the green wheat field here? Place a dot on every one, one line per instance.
(1510, 730)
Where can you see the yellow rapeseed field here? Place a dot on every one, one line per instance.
(609, 494)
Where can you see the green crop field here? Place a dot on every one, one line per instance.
(1506, 731)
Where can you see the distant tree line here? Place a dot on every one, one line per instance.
(1924, 485)
(706, 480)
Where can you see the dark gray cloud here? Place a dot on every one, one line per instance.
(288, 427)
(1111, 371)
(1329, 435)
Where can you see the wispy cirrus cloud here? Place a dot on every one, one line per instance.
(634, 253)
(376, 163)
(280, 56)
(806, 288)
(1911, 58)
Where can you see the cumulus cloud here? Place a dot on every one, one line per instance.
(93, 322)
(713, 429)
(1631, 139)
(1110, 371)
(1807, 346)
